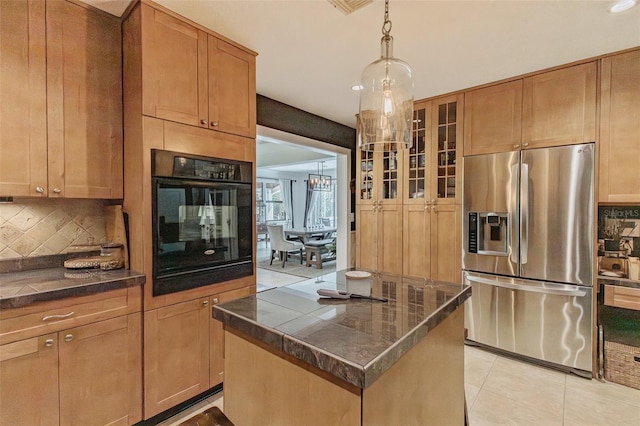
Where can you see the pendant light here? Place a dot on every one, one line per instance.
(386, 99)
(320, 181)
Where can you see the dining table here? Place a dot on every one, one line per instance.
(306, 234)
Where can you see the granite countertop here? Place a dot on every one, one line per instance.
(622, 282)
(356, 340)
(21, 288)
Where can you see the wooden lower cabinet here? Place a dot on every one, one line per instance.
(379, 237)
(29, 382)
(431, 242)
(183, 350)
(176, 354)
(216, 334)
(100, 373)
(80, 376)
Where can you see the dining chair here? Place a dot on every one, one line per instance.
(280, 244)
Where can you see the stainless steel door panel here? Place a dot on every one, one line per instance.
(557, 203)
(491, 186)
(546, 321)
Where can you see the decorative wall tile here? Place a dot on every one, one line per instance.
(38, 227)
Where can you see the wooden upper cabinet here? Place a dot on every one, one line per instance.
(620, 129)
(84, 102)
(559, 107)
(174, 69)
(232, 89)
(493, 119)
(195, 78)
(23, 119)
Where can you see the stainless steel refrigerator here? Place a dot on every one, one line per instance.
(528, 223)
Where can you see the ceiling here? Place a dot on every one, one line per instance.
(310, 53)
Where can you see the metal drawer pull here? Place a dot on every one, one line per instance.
(50, 317)
(48, 343)
(68, 337)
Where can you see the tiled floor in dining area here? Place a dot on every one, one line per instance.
(503, 391)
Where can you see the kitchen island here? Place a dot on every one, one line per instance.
(292, 357)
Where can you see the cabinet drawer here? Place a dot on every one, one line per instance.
(23, 323)
(622, 297)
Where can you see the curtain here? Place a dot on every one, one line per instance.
(286, 186)
(310, 202)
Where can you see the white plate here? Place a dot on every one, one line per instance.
(357, 275)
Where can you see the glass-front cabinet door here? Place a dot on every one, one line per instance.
(446, 149)
(417, 159)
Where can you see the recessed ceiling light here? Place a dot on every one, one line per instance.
(622, 5)
(356, 87)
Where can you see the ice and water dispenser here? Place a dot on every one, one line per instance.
(488, 233)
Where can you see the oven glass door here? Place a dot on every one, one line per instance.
(200, 225)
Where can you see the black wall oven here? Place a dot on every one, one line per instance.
(202, 221)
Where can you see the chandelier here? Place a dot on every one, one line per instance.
(319, 181)
(386, 99)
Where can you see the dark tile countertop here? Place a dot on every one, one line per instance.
(355, 340)
(622, 282)
(21, 288)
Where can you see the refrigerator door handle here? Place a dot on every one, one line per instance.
(557, 291)
(513, 209)
(524, 213)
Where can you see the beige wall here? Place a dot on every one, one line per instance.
(37, 227)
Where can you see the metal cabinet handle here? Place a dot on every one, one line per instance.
(215, 300)
(39, 189)
(68, 337)
(50, 317)
(433, 208)
(525, 144)
(214, 123)
(48, 343)
(205, 303)
(203, 121)
(516, 146)
(57, 190)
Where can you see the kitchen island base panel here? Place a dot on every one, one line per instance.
(426, 386)
(269, 388)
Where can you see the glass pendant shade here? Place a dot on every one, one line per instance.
(386, 102)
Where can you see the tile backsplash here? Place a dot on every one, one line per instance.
(38, 227)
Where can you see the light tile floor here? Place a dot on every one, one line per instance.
(503, 391)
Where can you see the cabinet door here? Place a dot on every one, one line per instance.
(232, 89)
(176, 355)
(493, 119)
(23, 109)
(559, 107)
(620, 129)
(100, 373)
(417, 159)
(84, 102)
(388, 174)
(446, 150)
(416, 253)
(446, 243)
(174, 69)
(216, 330)
(365, 183)
(29, 381)
(389, 244)
(367, 237)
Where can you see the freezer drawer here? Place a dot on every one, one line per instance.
(547, 321)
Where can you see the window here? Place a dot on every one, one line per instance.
(323, 212)
(269, 201)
